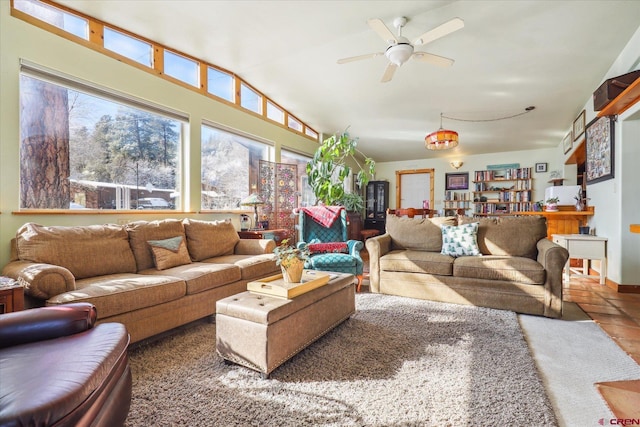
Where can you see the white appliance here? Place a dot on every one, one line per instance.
(566, 194)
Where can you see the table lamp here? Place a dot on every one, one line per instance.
(254, 200)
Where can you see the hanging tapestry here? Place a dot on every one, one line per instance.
(278, 187)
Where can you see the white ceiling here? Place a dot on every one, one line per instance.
(510, 55)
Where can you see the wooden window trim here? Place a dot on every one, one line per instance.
(96, 42)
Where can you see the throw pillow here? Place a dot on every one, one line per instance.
(169, 253)
(460, 240)
(328, 248)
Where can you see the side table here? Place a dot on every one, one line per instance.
(11, 296)
(585, 247)
(278, 234)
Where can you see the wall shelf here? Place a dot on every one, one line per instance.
(624, 101)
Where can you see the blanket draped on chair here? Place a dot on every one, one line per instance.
(323, 215)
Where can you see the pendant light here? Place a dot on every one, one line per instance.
(442, 139)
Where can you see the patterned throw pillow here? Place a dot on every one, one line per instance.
(460, 240)
(328, 248)
(169, 253)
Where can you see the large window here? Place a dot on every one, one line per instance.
(131, 48)
(306, 196)
(79, 150)
(230, 165)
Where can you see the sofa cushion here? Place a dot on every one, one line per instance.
(251, 266)
(501, 268)
(169, 253)
(516, 236)
(208, 239)
(460, 240)
(140, 232)
(410, 261)
(201, 276)
(122, 293)
(81, 249)
(417, 233)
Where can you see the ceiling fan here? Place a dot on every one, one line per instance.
(400, 49)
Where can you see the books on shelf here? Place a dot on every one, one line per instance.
(502, 175)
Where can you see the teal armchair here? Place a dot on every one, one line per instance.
(342, 256)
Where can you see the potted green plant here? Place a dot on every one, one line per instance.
(329, 168)
(552, 204)
(291, 260)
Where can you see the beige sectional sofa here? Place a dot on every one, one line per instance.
(517, 268)
(151, 276)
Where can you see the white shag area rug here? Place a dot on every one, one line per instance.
(573, 355)
(396, 362)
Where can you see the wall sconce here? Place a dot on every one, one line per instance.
(456, 164)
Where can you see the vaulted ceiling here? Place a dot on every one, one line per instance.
(509, 55)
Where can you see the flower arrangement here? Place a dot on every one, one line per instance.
(287, 254)
(581, 202)
(552, 204)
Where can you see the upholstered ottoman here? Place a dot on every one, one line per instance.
(262, 332)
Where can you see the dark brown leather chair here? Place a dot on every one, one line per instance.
(57, 368)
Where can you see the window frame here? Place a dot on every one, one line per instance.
(96, 42)
(45, 74)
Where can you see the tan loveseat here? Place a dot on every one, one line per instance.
(151, 276)
(518, 268)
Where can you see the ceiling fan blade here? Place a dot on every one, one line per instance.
(440, 31)
(359, 58)
(433, 59)
(388, 72)
(383, 31)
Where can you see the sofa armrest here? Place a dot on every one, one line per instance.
(355, 246)
(254, 246)
(39, 324)
(42, 281)
(553, 258)
(376, 247)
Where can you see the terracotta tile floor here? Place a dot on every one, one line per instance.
(618, 314)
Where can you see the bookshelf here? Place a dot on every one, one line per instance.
(502, 192)
(454, 200)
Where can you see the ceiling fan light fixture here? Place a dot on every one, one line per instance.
(399, 54)
(442, 139)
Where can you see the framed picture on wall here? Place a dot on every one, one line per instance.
(457, 181)
(567, 142)
(578, 126)
(541, 167)
(600, 142)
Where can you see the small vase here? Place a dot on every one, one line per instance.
(579, 206)
(292, 273)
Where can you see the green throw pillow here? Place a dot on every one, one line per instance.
(460, 240)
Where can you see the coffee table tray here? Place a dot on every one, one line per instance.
(276, 286)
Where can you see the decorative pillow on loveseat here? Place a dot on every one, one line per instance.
(328, 248)
(460, 240)
(169, 253)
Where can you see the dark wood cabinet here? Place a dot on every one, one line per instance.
(377, 203)
(354, 225)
